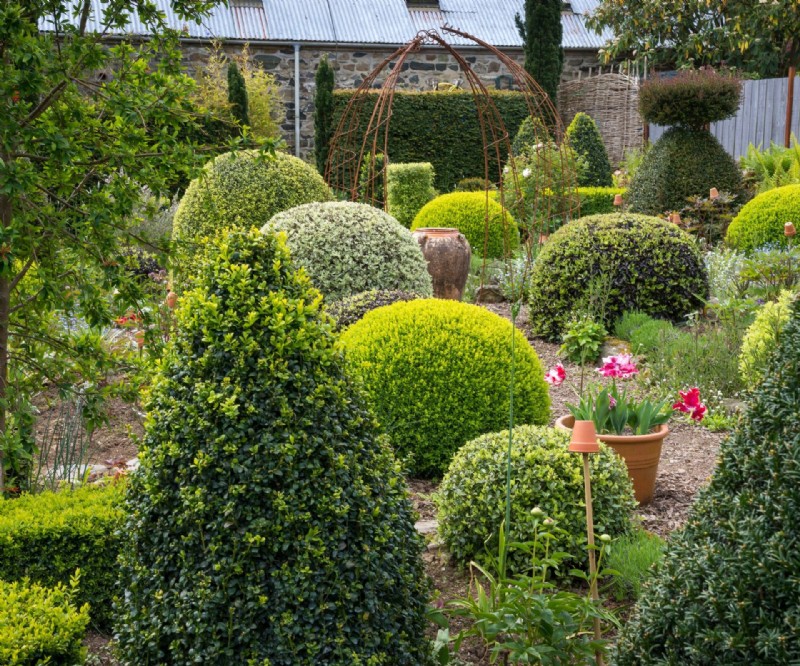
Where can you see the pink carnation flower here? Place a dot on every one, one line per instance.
(556, 376)
(690, 404)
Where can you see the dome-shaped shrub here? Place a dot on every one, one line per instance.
(584, 138)
(544, 473)
(347, 248)
(682, 163)
(762, 220)
(467, 212)
(762, 338)
(268, 522)
(438, 374)
(245, 189)
(641, 262)
(349, 310)
(727, 590)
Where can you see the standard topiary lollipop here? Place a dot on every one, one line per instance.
(269, 522)
(762, 221)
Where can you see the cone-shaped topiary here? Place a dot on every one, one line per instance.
(634, 262)
(584, 138)
(682, 163)
(245, 189)
(438, 374)
(269, 522)
(532, 131)
(237, 95)
(727, 592)
(761, 221)
(323, 112)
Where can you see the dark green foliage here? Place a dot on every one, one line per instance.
(727, 591)
(648, 265)
(441, 128)
(531, 132)
(682, 163)
(584, 138)
(709, 218)
(410, 187)
(269, 522)
(324, 124)
(372, 180)
(237, 95)
(541, 33)
(691, 98)
(597, 200)
(47, 537)
(349, 310)
(474, 185)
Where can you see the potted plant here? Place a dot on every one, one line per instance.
(635, 429)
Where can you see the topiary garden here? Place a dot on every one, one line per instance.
(762, 221)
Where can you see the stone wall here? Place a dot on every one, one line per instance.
(421, 72)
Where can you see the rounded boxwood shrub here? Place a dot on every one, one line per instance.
(726, 592)
(643, 264)
(269, 522)
(761, 220)
(467, 212)
(761, 338)
(438, 374)
(584, 138)
(471, 498)
(245, 189)
(683, 163)
(349, 310)
(347, 248)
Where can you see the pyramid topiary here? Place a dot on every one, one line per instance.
(269, 523)
(727, 592)
(531, 132)
(584, 138)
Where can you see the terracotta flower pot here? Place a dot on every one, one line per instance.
(447, 253)
(641, 454)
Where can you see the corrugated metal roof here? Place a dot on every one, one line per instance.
(363, 21)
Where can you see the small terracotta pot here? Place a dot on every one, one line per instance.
(171, 300)
(447, 253)
(641, 454)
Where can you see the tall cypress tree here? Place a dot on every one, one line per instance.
(323, 113)
(541, 34)
(237, 95)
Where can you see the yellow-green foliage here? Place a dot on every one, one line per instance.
(761, 220)
(438, 374)
(762, 337)
(409, 188)
(468, 212)
(598, 200)
(245, 189)
(41, 626)
(47, 537)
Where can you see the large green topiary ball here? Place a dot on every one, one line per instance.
(727, 590)
(471, 498)
(269, 522)
(761, 221)
(682, 163)
(634, 262)
(347, 248)
(467, 212)
(438, 374)
(762, 337)
(245, 189)
(584, 138)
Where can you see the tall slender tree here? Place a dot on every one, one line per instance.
(323, 113)
(237, 95)
(541, 33)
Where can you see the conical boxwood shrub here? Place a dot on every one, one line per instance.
(269, 523)
(728, 591)
(585, 139)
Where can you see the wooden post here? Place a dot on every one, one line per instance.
(787, 135)
(587, 486)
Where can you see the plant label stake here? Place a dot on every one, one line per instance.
(584, 441)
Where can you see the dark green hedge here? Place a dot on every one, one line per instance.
(441, 128)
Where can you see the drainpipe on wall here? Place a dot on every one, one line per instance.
(297, 99)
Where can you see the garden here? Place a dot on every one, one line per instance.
(446, 402)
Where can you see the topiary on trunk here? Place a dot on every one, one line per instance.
(727, 592)
(584, 138)
(269, 523)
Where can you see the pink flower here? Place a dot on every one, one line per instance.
(556, 376)
(690, 404)
(612, 402)
(618, 367)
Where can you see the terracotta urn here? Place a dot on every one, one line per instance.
(447, 253)
(641, 454)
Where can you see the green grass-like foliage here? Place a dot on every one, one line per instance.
(531, 132)
(628, 322)
(649, 265)
(245, 189)
(633, 557)
(467, 212)
(347, 248)
(598, 200)
(652, 336)
(471, 498)
(40, 625)
(47, 537)
(438, 375)
(761, 220)
(410, 187)
(726, 592)
(584, 138)
(682, 163)
(762, 338)
(349, 310)
(269, 522)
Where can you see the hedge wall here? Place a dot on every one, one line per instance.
(441, 128)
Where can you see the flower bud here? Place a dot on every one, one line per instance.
(536, 511)
(605, 538)
(549, 521)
